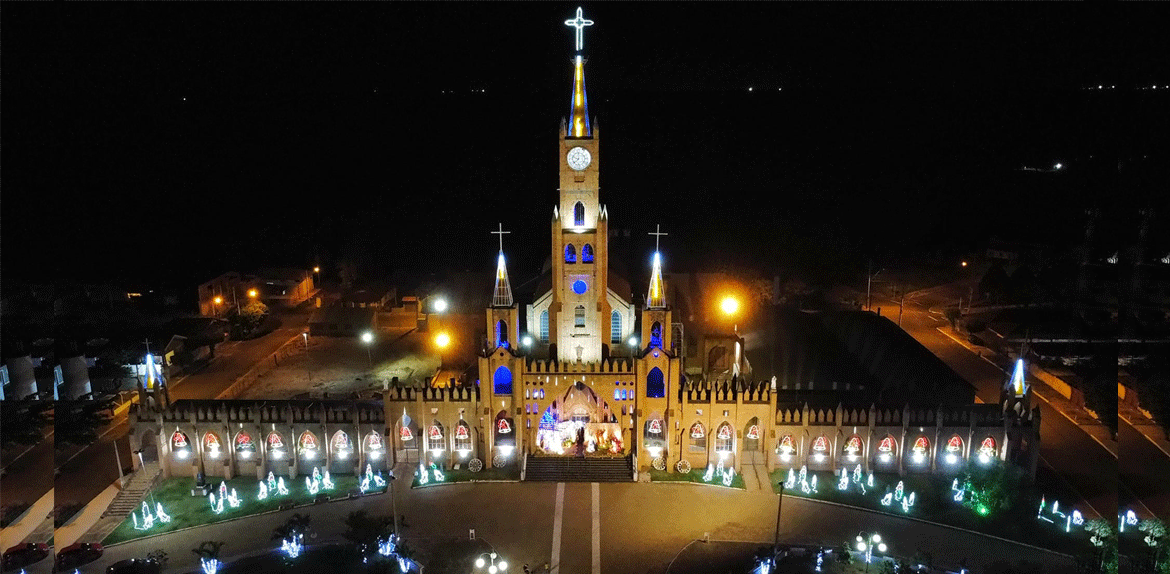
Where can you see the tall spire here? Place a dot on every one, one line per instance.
(503, 293)
(657, 296)
(1017, 385)
(579, 117)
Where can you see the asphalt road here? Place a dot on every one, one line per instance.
(83, 475)
(622, 528)
(1145, 471)
(1084, 466)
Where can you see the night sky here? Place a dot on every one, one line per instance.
(168, 142)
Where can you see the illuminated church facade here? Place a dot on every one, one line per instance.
(600, 378)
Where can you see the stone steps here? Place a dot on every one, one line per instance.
(572, 469)
(129, 499)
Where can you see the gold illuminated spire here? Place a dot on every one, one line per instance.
(657, 297)
(579, 125)
(503, 293)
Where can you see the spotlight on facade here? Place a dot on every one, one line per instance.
(952, 459)
(527, 341)
(183, 454)
(440, 305)
(214, 453)
(918, 457)
(375, 455)
(506, 451)
(785, 457)
(367, 337)
(310, 455)
(819, 457)
(246, 454)
(277, 453)
(983, 458)
(463, 452)
(342, 454)
(655, 451)
(436, 452)
(634, 342)
(885, 457)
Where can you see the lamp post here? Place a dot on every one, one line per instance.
(867, 542)
(869, 276)
(730, 307)
(495, 564)
(316, 275)
(368, 338)
(393, 501)
(779, 505)
(442, 341)
(218, 300)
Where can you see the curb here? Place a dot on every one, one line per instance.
(698, 484)
(939, 524)
(453, 483)
(170, 532)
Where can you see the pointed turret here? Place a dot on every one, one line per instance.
(503, 292)
(1017, 386)
(656, 299)
(579, 122)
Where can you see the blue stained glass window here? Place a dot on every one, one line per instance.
(579, 214)
(617, 395)
(579, 287)
(502, 381)
(615, 328)
(587, 253)
(501, 334)
(656, 335)
(655, 385)
(570, 254)
(544, 326)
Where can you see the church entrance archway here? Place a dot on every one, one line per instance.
(579, 420)
(752, 435)
(148, 447)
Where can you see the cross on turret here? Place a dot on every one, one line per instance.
(579, 23)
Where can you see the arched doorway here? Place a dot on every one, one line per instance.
(408, 442)
(579, 414)
(752, 435)
(148, 447)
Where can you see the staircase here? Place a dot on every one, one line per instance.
(572, 469)
(129, 499)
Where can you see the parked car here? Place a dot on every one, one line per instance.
(135, 566)
(22, 555)
(77, 554)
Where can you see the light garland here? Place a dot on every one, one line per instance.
(327, 481)
(293, 545)
(209, 565)
(710, 473)
(280, 488)
(263, 492)
(216, 505)
(728, 476)
(161, 515)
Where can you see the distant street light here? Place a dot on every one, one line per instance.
(964, 264)
(368, 338)
(730, 307)
(867, 543)
(442, 340)
(253, 293)
(633, 342)
(439, 305)
(868, 286)
(527, 340)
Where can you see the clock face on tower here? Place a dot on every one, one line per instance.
(579, 158)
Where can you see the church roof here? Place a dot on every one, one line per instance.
(502, 296)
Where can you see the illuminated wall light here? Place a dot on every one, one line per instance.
(183, 454)
(506, 450)
(952, 459)
(436, 452)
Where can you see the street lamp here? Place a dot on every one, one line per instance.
(253, 293)
(867, 543)
(439, 305)
(493, 566)
(368, 338)
(730, 307)
(869, 277)
(218, 300)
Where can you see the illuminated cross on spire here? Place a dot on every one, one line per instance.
(579, 23)
(501, 233)
(657, 233)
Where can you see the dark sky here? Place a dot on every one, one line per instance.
(172, 141)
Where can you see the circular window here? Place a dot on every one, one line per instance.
(579, 287)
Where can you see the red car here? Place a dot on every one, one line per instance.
(22, 555)
(77, 554)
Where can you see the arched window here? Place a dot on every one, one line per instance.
(615, 328)
(723, 438)
(656, 335)
(308, 444)
(586, 253)
(462, 438)
(579, 316)
(921, 449)
(501, 334)
(570, 254)
(698, 438)
(502, 381)
(435, 440)
(544, 326)
(245, 448)
(211, 445)
(655, 385)
(341, 445)
(579, 214)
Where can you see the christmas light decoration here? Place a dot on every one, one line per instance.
(886, 448)
(405, 434)
(786, 447)
(327, 482)
(697, 431)
(791, 482)
(1041, 509)
(887, 499)
(234, 499)
(843, 483)
(209, 565)
(263, 492)
(857, 474)
(439, 476)
(216, 505)
(869, 481)
(293, 545)
(709, 474)
(898, 491)
(280, 488)
(921, 446)
(753, 432)
(160, 514)
(423, 476)
(813, 484)
(728, 476)
(1077, 517)
(147, 518)
(313, 485)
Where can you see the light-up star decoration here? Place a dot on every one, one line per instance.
(579, 23)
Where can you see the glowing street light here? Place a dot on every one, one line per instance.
(494, 566)
(439, 305)
(253, 293)
(527, 340)
(442, 341)
(368, 338)
(633, 342)
(964, 264)
(867, 543)
(729, 305)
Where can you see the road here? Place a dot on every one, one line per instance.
(622, 528)
(83, 475)
(1145, 472)
(1084, 465)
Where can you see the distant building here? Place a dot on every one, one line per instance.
(220, 294)
(282, 287)
(339, 320)
(371, 297)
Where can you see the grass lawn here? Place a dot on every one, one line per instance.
(695, 476)
(934, 502)
(510, 472)
(186, 510)
(331, 558)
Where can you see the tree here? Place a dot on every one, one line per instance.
(296, 524)
(80, 422)
(990, 489)
(1105, 539)
(208, 552)
(845, 554)
(365, 531)
(24, 422)
(248, 319)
